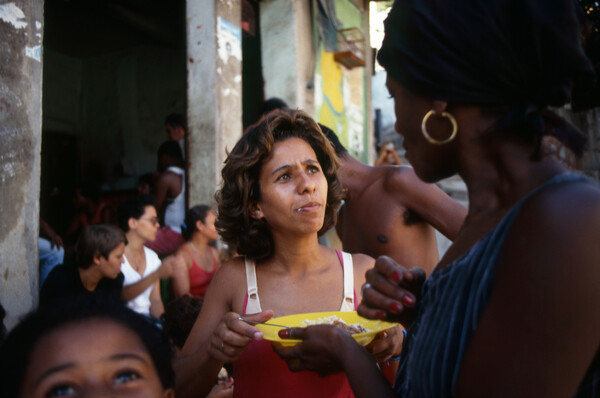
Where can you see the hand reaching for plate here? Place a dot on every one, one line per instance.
(391, 292)
(322, 349)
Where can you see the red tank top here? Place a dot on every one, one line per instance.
(260, 372)
(200, 278)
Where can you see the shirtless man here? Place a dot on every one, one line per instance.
(169, 191)
(390, 211)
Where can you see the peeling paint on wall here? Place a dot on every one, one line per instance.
(34, 52)
(13, 15)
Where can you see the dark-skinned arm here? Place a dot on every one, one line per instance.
(541, 325)
(327, 349)
(428, 201)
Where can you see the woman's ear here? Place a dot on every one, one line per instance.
(439, 107)
(199, 225)
(256, 212)
(132, 223)
(97, 257)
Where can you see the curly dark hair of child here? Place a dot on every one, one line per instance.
(240, 188)
(179, 318)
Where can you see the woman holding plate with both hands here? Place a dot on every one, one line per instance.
(511, 310)
(280, 191)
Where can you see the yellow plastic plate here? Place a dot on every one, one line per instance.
(373, 326)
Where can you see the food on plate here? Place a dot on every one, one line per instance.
(336, 321)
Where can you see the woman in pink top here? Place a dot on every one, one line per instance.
(280, 192)
(200, 258)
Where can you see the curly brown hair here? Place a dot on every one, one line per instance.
(240, 188)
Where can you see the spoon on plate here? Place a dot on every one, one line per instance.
(262, 323)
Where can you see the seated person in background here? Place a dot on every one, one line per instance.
(146, 184)
(390, 211)
(169, 192)
(280, 191)
(142, 269)
(86, 347)
(178, 319)
(90, 209)
(388, 155)
(98, 257)
(50, 249)
(200, 258)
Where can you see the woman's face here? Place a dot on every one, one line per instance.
(430, 162)
(293, 189)
(208, 227)
(92, 357)
(147, 225)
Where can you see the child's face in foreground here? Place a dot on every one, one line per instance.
(92, 357)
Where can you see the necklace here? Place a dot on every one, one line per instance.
(205, 258)
(136, 261)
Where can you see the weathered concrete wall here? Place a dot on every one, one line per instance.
(279, 47)
(214, 97)
(21, 31)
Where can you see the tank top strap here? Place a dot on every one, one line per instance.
(348, 266)
(176, 170)
(252, 300)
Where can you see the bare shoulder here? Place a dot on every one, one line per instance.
(231, 271)
(362, 261)
(403, 180)
(403, 175)
(557, 229)
(544, 288)
(562, 208)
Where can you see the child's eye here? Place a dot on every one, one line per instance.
(60, 391)
(126, 377)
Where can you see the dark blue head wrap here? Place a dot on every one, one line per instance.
(522, 54)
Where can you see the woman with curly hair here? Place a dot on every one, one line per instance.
(280, 191)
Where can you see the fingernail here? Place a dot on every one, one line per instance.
(396, 276)
(380, 314)
(395, 307)
(408, 300)
(258, 336)
(284, 333)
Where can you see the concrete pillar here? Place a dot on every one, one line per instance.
(214, 66)
(21, 31)
(288, 56)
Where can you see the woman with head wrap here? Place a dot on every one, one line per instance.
(512, 307)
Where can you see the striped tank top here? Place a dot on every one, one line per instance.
(452, 301)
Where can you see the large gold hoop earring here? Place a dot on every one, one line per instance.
(430, 138)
